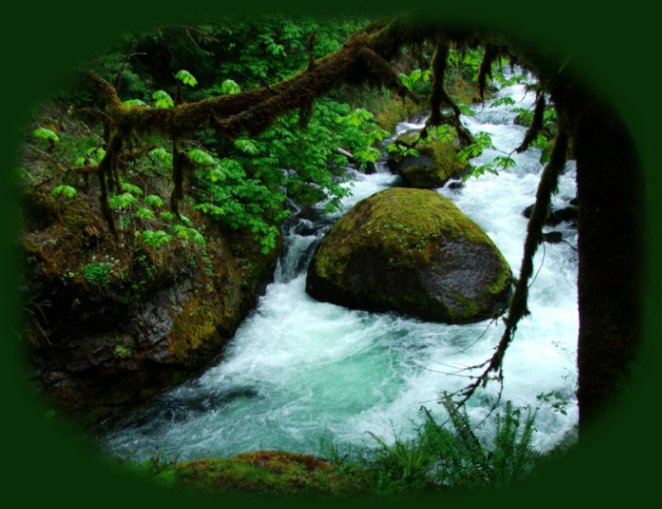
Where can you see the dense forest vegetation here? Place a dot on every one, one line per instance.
(161, 177)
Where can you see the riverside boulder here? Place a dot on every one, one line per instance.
(436, 163)
(414, 252)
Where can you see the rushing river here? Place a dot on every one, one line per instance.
(298, 369)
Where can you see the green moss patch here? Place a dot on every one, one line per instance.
(436, 163)
(273, 472)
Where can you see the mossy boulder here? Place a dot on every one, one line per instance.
(436, 163)
(414, 252)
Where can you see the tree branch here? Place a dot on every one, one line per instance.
(518, 302)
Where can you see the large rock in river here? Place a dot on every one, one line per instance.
(414, 252)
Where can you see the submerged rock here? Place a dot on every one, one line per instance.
(414, 252)
(555, 216)
(436, 163)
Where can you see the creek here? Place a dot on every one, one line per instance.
(299, 370)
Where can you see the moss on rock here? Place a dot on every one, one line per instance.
(271, 472)
(411, 251)
(436, 163)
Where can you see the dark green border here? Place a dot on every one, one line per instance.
(613, 48)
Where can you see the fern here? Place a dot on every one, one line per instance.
(453, 455)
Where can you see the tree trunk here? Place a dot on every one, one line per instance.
(609, 187)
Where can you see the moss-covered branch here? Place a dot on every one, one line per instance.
(536, 124)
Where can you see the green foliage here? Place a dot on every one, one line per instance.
(556, 400)
(417, 81)
(154, 238)
(161, 155)
(44, 133)
(134, 102)
(402, 150)
(230, 87)
(162, 99)
(121, 352)
(499, 162)
(97, 273)
(201, 157)
(64, 190)
(144, 213)
(92, 157)
(188, 234)
(502, 101)
(154, 201)
(245, 183)
(186, 78)
(246, 145)
(122, 201)
(482, 141)
(454, 456)
(131, 189)
(464, 64)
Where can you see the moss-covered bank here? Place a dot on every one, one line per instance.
(113, 322)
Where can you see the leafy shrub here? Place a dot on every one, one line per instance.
(97, 273)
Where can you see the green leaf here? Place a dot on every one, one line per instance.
(154, 201)
(24, 173)
(163, 99)
(201, 157)
(501, 101)
(210, 209)
(44, 133)
(64, 190)
(162, 155)
(246, 145)
(145, 214)
(505, 162)
(122, 201)
(130, 188)
(185, 220)
(186, 78)
(168, 216)
(155, 238)
(230, 87)
(134, 102)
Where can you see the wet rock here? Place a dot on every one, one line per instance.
(553, 237)
(413, 252)
(436, 163)
(555, 216)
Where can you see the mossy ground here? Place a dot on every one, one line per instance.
(267, 472)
